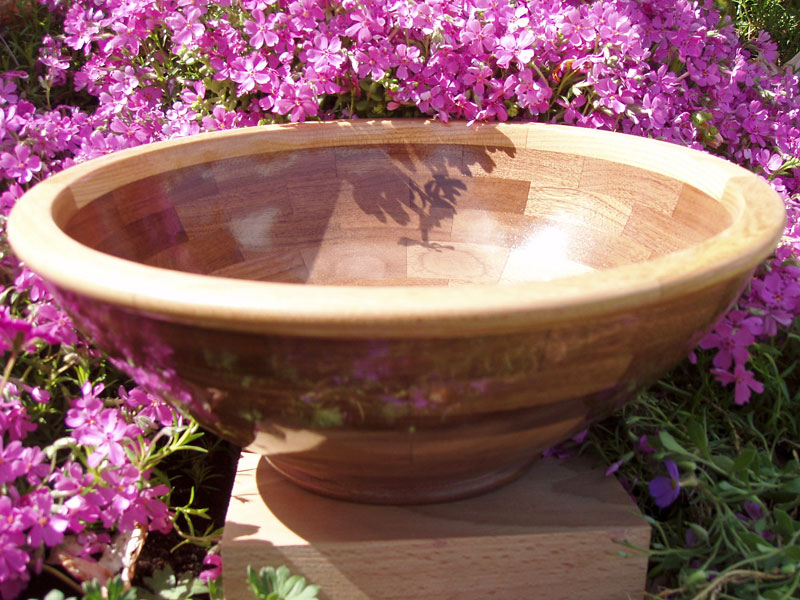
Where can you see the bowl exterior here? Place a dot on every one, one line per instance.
(403, 420)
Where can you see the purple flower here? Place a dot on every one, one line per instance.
(745, 382)
(21, 165)
(46, 526)
(298, 101)
(260, 32)
(214, 561)
(665, 490)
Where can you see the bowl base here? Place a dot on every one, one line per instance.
(390, 490)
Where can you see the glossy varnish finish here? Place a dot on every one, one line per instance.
(399, 311)
(399, 215)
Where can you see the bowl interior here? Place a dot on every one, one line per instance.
(399, 214)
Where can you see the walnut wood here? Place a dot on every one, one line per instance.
(398, 311)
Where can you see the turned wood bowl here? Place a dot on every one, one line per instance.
(398, 311)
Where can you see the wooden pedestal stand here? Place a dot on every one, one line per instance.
(550, 535)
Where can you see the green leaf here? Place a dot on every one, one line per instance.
(698, 436)
(784, 524)
(700, 532)
(744, 460)
(793, 552)
(792, 486)
(56, 595)
(670, 443)
(279, 584)
(164, 585)
(723, 462)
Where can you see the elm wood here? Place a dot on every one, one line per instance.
(554, 534)
(484, 318)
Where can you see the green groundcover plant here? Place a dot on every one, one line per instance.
(710, 453)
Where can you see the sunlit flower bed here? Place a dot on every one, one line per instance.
(81, 445)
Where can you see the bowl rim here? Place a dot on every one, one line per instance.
(34, 233)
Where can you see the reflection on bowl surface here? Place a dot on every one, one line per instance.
(398, 311)
(399, 214)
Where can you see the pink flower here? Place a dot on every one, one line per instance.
(744, 380)
(186, 28)
(260, 32)
(21, 165)
(298, 100)
(214, 561)
(252, 71)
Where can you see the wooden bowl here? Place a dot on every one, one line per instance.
(398, 311)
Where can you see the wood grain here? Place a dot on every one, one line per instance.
(398, 311)
(399, 212)
(554, 534)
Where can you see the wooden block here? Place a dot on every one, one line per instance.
(552, 534)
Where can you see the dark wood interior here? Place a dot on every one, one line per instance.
(399, 215)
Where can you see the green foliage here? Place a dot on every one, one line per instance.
(114, 590)
(280, 584)
(781, 18)
(734, 532)
(165, 585)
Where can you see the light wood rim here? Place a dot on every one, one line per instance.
(349, 311)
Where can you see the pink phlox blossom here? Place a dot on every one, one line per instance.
(187, 28)
(13, 559)
(15, 422)
(260, 31)
(21, 165)
(576, 29)
(107, 438)
(532, 93)
(305, 14)
(81, 27)
(326, 53)
(196, 92)
(298, 101)
(744, 380)
(8, 93)
(219, 119)
(360, 29)
(9, 121)
(612, 96)
(214, 570)
(373, 62)
(16, 333)
(253, 71)
(147, 405)
(28, 281)
(516, 48)
(47, 526)
(55, 325)
(702, 72)
(477, 78)
(12, 461)
(731, 344)
(480, 36)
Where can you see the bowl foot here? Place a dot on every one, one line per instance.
(388, 490)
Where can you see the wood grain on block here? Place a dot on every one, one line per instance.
(555, 533)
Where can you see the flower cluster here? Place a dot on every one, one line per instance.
(148, 71)
(77, 488)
